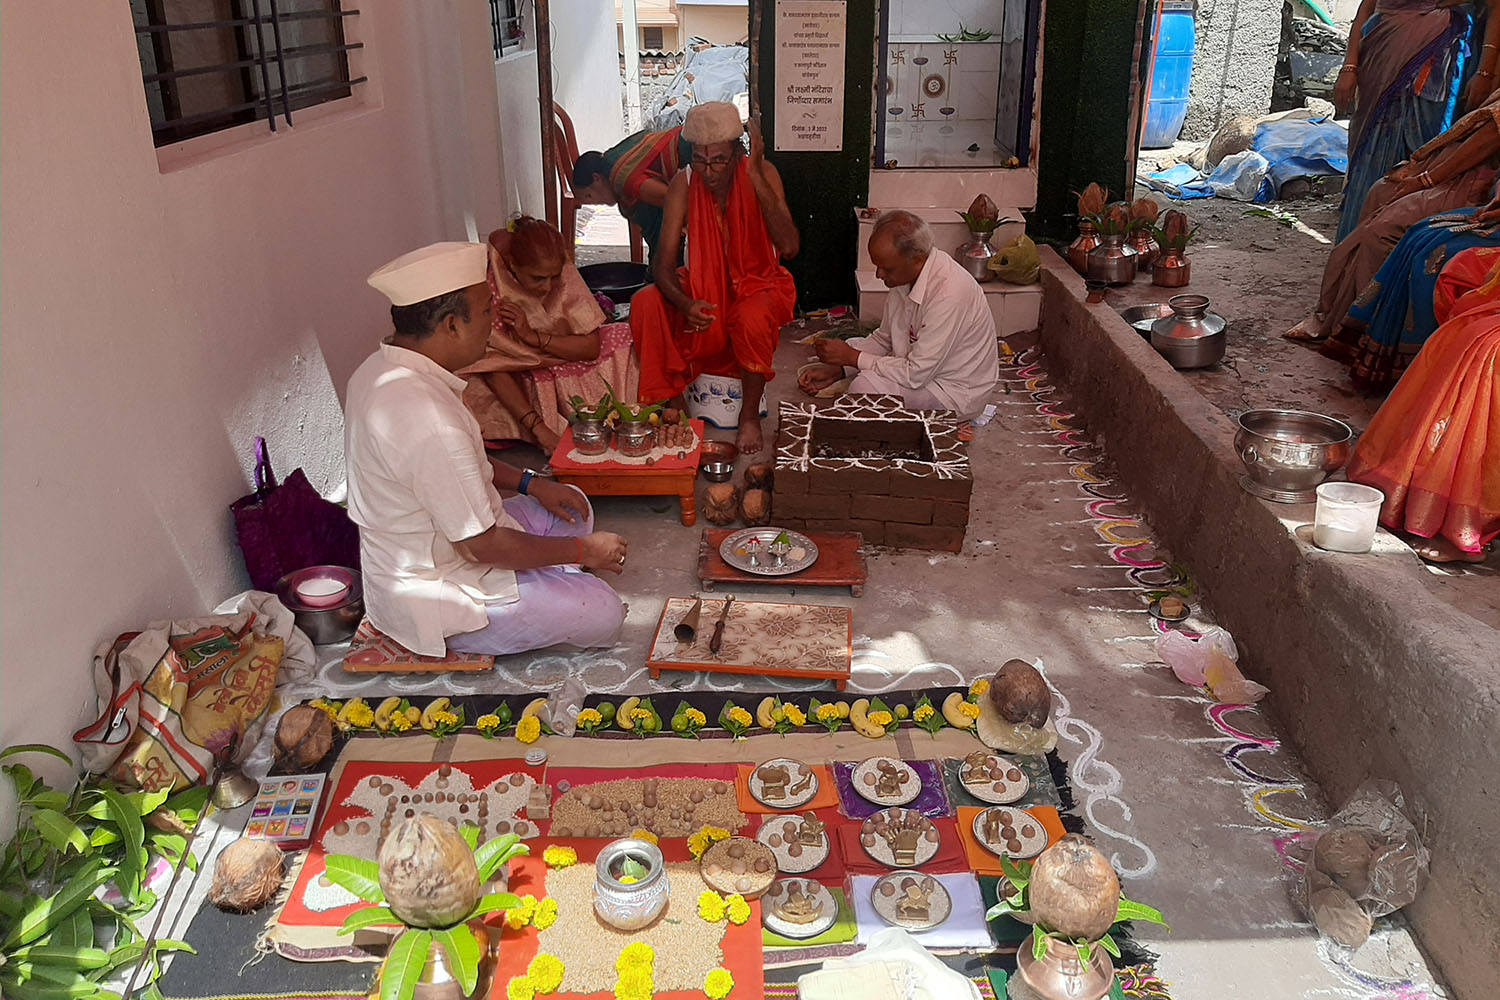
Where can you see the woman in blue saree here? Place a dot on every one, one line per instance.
(1405, 72)
(1394, 315)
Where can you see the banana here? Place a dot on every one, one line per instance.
(622, 717)
(343, 717)
(538, 708)
(763, 712)
(859, 719)
(384, 712)
(437, 705)
(955, 718)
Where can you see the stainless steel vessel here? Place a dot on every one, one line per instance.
(1192, 337)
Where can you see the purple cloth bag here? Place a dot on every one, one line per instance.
(283, 527)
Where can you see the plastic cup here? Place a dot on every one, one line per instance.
(1346, 517)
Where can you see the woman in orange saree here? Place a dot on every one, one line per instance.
(1434, 447)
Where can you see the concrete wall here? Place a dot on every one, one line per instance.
(720, 25)
(586, 73)
(520, 123)
(162, 308)
(1234, 64)
(1371, 675)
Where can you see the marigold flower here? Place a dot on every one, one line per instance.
(520, 988)
(546, 972)
(740, 716)
(521, 915)
(737, 908)
(645, 835)
(400, 723)
(880, 718)
(718, 983)
(560, 856)
(827, 711)
(590, 717)
(545, 916)
(795, 715)
(979, 687)
(640, 714)
(528, 729)
(696, 717)
(637, 954)
(361, 716)
(969, 708)
(710, 906)
(445, 718)
(635, 984)
(487, 723)
(923, 713)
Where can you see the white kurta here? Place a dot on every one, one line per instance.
(937, 334)
(419, 481)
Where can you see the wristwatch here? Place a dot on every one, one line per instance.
(526, 478)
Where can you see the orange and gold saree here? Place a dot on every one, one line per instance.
(1434, 447)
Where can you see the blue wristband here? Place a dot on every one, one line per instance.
(525, 482)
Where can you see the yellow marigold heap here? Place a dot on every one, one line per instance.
(640, 715)
(559, 856)
(545, 972)
(979, 687)
(880, 718)
(521, 915)
(923, 713)
(520, 988)
(528, 729)
(795, 715)
(696, 717)
(590, 717)
(740, 716)
(445, 718)
(327, 707)
(969, 708)
(700, 841)
(645, 835)
(635, 984)
(718, 983)
(545, 915)
(737, 908)
(400, 723)
(710, 906)
(827, 711)
(637, 954)
(487, 723)
(361, 716)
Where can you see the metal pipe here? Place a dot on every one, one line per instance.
(286, 103)
(265, 72)
(630, 46)
(548, 111)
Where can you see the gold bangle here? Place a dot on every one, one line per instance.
(1425, 178)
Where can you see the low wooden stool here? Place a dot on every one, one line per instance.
(371, 651)
(667, 476)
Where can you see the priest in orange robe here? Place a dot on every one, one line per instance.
(723, 312)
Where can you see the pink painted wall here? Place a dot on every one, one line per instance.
(160, 311)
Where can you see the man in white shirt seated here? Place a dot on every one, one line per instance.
(936, 345)
(446, 564)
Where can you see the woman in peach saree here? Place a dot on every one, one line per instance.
(1434, 447)
(549, 341)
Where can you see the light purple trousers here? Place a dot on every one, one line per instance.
(558, 605)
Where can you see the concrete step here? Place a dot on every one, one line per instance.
(948, 230)
(1016, 308)
(936, 187)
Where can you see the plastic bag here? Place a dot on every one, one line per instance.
(1242, 177)
(1189, 659)
(1017, 262)
(1371, 861)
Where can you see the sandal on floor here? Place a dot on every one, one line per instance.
(966, 431)
(1298, 336)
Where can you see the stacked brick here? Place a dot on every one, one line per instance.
(864, 463)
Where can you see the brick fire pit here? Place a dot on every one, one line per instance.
(864, 463)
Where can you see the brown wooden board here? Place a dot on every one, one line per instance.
(767, 639)
(840, 563)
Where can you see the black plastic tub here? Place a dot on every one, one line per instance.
(618, 279)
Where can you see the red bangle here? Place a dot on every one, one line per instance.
(579, 560)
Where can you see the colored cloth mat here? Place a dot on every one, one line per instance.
(827, 794)
(831, 872)
(981, 860)
(1043, 791)
(932, 802)
(964, 928)
(950, 856)
(843, 928)
(1006, 931)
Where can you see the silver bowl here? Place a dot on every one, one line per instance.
(1142, 317)
(1287, 453)
(324, 626)
(717, 471)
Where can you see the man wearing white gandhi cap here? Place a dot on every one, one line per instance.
(446, 563)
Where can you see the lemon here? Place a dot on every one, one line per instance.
(902, 711)
(679, 723)
(607, 712)
(778, 714)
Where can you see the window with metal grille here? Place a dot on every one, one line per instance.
(651, 38)
(507, 31)
(210, 65)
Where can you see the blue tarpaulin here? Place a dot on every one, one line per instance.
(1279, 152)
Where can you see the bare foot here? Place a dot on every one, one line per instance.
(1308, 332)
(1440, 550)
(749, 437)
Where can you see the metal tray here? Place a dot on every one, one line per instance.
(765, 563)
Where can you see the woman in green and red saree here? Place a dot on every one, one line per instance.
(633, 176)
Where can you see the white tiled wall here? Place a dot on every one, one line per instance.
(943, 17)
(940, 81)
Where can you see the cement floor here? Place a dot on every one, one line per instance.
(1053, 570)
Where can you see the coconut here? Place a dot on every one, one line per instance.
(246, 875)
(760, 476)
(755, 508)
(1074, 891)
(721, 503)
(1020, 694)
(303, 736)
(427, 872)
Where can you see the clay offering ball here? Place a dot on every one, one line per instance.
(427, 872)
(1074, 890)
(760, 476)
(721, 503)
(755, 508)
(1340, 917)
(246, 875)
(886, 889)
(744, 884)
(774, 840)
(303, 736)
(794, 849)
(1020, 694)
(762, 865)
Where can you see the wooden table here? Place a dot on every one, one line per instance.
(668, 476)
(840, 563)
(762, 638)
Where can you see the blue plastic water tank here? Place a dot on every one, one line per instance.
(1172, 72)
